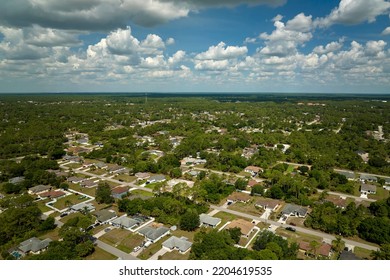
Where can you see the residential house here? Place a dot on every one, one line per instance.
(142, 176)
(238, 197)
(387, 184)
(253, 170)
(100, 165)
(156, 179)
(245, 227)
(294, 210)
(249, 152)
(348, 174)
(193, 173)
(39, 189)
(364, 178)
(189, 161)
(337, 201)
(16, 180)
(104, 216)
(209, 221)
(83, 206)
(323, 250)
(367, 189)
(117, 169)
(75, 180)
(73, 159)
(153, 234)
(268, 204)
(88, 184)
(52, 194)
(33, 245)
(174, 243)
(125, 222)
(119, 192)
(348, 255)
(252, 183)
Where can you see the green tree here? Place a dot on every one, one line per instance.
(235, 234)
(103, 193)
(189, 221)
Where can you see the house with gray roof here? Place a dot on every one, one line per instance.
(156, 179)
(83, 206)
(39, 189)
(125, 222)
(174, 243)
(294, 210)
(104, 215)
(368, 178)
(348, 174)
(367, 189)
(209, 221)
(16, 180)
(387, 184)
(154, 234)
(33, 245)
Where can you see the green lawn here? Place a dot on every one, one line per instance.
(290, 168)
(225, 217)
(88, 191)
(122, 239)
(248, 208)
(42, 206)
(70, 216)
(98, 171)
(381, 193)
(53, 234)
(362, 253)
(125, 178)
(74, 165)
(100, 254)
(175, 255)
(142, 192)
(297, 236)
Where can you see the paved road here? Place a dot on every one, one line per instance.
(132, 185)
(115, 251)
(357, 198)
(225, 173)
(299, 229)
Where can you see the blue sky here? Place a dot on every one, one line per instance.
(195, 45)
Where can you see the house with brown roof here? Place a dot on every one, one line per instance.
(119, 192)
(323, 250)
(268, 204)
(253, 170)
(337, 201)
(238, 197)
(52, 194)
(252, 183)
(245, 227)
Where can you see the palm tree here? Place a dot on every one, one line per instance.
(314, 245)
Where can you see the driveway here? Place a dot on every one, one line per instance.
(161, 252)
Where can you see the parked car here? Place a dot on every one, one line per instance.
(291, 229)
(293, 224)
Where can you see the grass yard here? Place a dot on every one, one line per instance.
(70, 216)
(74, 165)
(381, 193)
(225, 217)
(248, 208)
(142, 192)
(362, 253)
(188, 234)
(290, 168)
(42, 206)
(88, 191)
(125, 178)
(297, 236)
(122, 239)
(175, 255)
(53, 234)
(98, 171)
(100, 254)
(72, 199)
